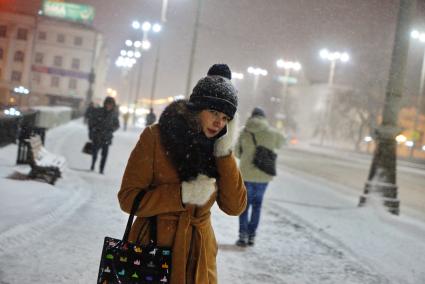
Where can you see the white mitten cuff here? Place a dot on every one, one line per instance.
(224, 145)
(198, 191)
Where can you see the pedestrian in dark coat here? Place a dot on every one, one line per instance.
(150, 117)
(185, 164)
(103, 121)
(256, 180)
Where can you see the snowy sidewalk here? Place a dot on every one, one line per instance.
(309, 233)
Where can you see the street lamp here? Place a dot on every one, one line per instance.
(287, 66)
(257, 72)
(158, 28)
(333, 57)
(420, 37)
(20, 91)
(144, 44)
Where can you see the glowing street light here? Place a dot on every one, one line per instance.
(21, 90)
(146, 44)
(146, 26)
(288, 66)
(135, 25)
(257, 72)
(333, 57)
(140, 45)
(238, 76)
(156, 28)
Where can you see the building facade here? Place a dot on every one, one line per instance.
(61, 62)
(16, 45)
(68, 57)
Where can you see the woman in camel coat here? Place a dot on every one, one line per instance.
(185, 164)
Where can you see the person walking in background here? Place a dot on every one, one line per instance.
(103, 121)
(150, 117)
(125, 117)
(185, 164)
(255, 180)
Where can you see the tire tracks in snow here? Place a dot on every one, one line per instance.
(24, 233)
(356, 266)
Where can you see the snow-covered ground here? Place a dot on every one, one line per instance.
(311, 230)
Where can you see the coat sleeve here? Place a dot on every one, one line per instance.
(138, 176)
(231, 196)
(116, 123)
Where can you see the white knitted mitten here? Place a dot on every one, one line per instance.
(198, 191)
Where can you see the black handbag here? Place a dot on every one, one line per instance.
(88, 148)
(123, 262)
(264, 158)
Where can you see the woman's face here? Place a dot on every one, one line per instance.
(212, 122)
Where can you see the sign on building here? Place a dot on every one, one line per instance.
(68, 11)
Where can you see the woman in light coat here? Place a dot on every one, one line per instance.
(256, 180)
(185, 164)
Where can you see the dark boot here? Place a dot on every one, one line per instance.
(251, 240)
(242, 241)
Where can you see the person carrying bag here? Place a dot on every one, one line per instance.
(256, 149)
(185, 164)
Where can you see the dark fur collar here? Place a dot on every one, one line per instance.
(190, 151)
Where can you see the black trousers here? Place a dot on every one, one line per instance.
(104, 155)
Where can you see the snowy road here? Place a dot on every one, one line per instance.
(311, 230)
(351, 170)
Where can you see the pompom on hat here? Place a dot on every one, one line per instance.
(215, 91)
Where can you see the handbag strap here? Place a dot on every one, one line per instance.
(152, 220)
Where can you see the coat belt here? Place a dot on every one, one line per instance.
(181, 248)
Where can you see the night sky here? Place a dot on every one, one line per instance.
(258, 32)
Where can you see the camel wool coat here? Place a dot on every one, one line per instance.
(185, 228)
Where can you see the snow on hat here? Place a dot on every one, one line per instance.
(215, 91)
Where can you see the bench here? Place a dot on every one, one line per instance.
(44, 165)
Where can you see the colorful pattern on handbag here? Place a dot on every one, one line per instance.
(124, 262)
